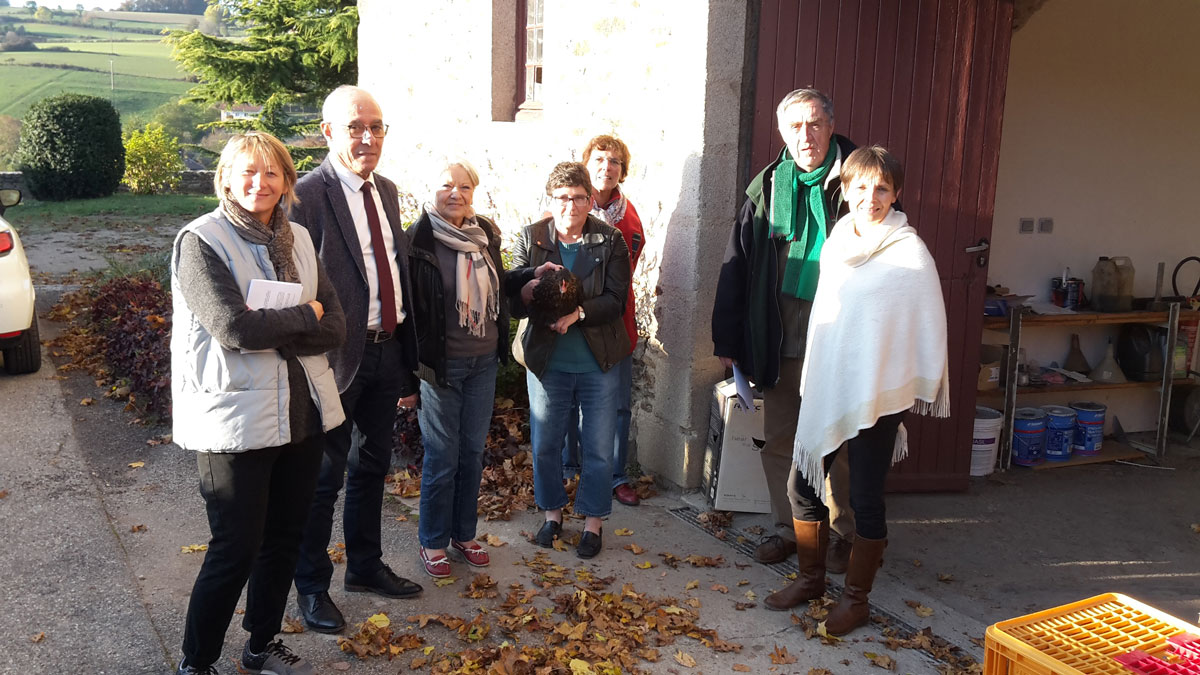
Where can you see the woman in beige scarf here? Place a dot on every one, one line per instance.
(462, 335)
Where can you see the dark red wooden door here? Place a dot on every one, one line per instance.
(926, 79)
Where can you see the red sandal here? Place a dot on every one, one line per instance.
(438, 567)
(476, 556)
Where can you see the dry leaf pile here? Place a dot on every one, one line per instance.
(571, 622)
(506, 487)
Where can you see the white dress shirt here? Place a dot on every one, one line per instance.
(352, 187)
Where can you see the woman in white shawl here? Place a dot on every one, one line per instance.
(876, 350)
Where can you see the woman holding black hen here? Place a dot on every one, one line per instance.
(570, 358)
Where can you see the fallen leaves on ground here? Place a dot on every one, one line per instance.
(954, 660)
(337, 553)
(720, 588)
(715, 519)
(137, 528)
(945, 578)
(819, 671)
(1196, 528)
(136, 465)
(481, 587)
(694, 583)
(87, 400)
(634, 549)
(292, 625)
(623, 532)
(159, 440)
(881, 660)
(374, 637)
(506, 488)
(780, 656)
(193, 548)
(493, 540)
(741, 668)
(404, 483)
(684, 659)
(38, 638)
(919, 609)
(3, 494)
(441, 583)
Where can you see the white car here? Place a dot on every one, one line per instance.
(18, 326)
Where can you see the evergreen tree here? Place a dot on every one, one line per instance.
(293, 54)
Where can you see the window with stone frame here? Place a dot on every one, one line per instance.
(530, 39)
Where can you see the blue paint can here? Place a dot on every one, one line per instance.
(1089, 427)
(1060, 432)
(1029, 436)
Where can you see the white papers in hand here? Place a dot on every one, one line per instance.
(744, 393)
(267, 294)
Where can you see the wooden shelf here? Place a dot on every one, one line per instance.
(1078, 319)
(1078, 386)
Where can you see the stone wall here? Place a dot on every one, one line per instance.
(666, 81)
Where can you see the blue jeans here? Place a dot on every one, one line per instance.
(570, 453)
(550, 401)
(454, 425)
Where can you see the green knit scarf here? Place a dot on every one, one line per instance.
(798, 199)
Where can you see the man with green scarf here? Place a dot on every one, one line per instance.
(764, 294)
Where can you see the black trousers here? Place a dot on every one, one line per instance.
(870, 459)
(370, 403)
(257, 502)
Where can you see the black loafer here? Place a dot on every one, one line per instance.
(589, 545)
(385, 582)
(319, 612)
(551, 530)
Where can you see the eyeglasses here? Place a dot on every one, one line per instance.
(578, 200)
(357, 130)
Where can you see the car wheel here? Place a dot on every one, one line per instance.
(26, 357)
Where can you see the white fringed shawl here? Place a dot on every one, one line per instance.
(876, 341)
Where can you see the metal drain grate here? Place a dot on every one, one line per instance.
(744, 543)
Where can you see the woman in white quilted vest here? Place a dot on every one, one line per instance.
(253, 395)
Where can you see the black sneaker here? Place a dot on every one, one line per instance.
(192, 670)
(276, 659)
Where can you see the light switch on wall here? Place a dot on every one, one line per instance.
(1026, 226)
(1045, 225)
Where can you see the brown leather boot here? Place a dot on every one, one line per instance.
(812, 540)
(852, 610)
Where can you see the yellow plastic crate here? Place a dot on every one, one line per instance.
(1080, 638)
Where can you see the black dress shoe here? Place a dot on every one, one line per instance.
(319, 612)
(589, 545)
(551, 530)
(385, 582)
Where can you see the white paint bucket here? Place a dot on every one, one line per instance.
(985, 439)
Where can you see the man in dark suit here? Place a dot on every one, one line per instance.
(353, 215)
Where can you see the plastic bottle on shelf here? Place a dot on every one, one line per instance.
(1124, 299)
(1105, 285)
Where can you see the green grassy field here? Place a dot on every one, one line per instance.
(55, 32)
(145, 75)
(22, 86)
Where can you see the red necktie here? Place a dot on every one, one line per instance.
(387, 292)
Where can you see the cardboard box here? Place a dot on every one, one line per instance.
(734, 479)
(991, 360)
